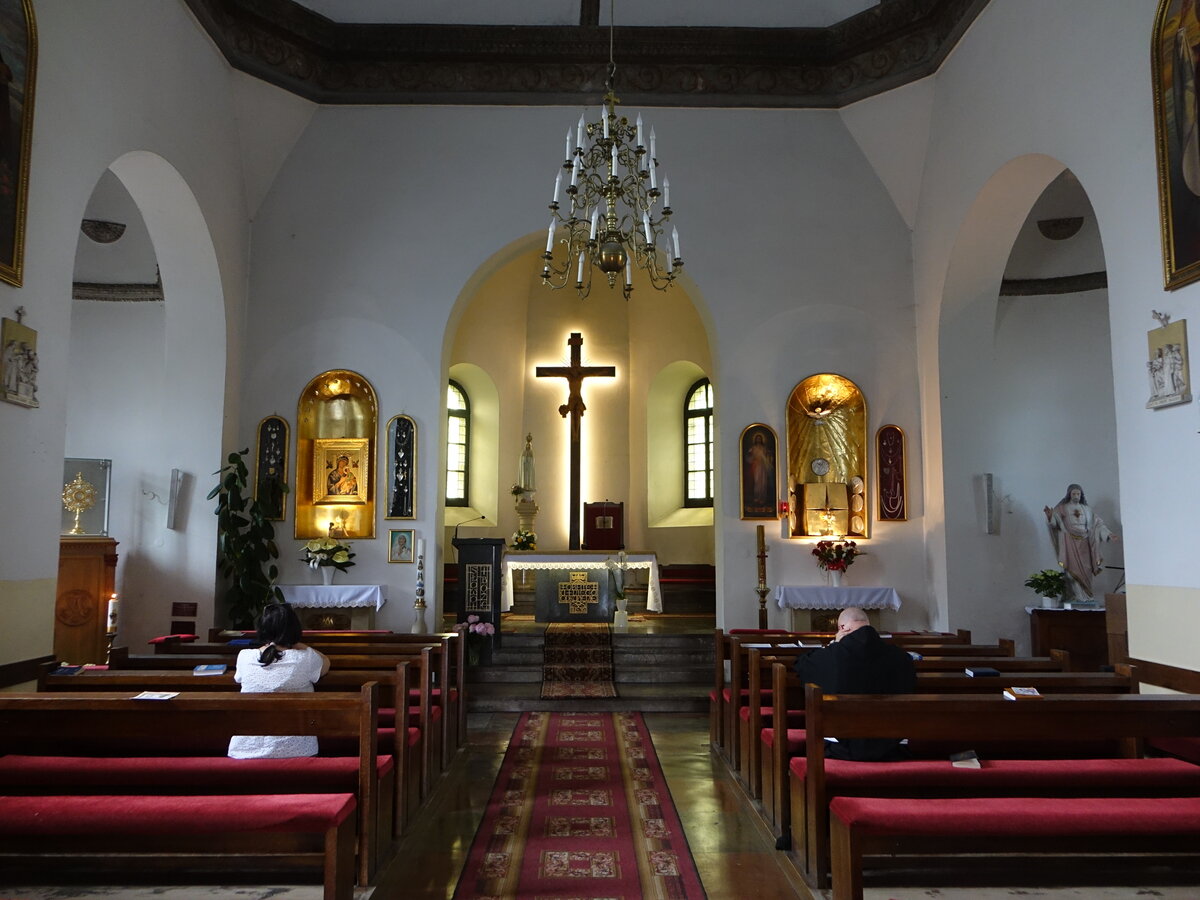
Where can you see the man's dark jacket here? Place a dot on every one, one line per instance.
(860, 663)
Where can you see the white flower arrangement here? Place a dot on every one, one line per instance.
(328, 552)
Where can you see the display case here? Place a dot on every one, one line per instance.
(85, 490)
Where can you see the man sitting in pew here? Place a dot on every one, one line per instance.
(859, 661)
(281, 663)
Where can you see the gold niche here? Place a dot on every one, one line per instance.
(827, 459)
(337, 417)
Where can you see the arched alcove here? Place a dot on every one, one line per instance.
(147, 385)
(1026, 399)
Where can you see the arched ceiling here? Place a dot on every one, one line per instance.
(689, 53)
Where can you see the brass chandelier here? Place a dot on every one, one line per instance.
(608, 219)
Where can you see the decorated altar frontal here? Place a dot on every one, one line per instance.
(359, 603)
(578, 560)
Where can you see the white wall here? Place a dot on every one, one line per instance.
(163, 90)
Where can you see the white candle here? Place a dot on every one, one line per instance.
(557, 184)
(604, 119)
(579, 274)
(640, 142)
(666, 194)
(579, 134)
(646, 228)
(595, 220)
(675, 241)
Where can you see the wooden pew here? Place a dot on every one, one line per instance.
(1116, 724)
(415, 763)
(40, 725)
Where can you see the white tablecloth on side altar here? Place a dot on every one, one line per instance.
(582, 560)
(333, 596)
(821, 597)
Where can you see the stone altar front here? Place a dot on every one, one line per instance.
(535, 560)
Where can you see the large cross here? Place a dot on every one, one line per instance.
(574, 407)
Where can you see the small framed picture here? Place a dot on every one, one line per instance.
(400, 545)
(340, 470)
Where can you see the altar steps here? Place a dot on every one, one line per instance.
(653, 672)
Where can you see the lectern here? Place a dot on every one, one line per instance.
(479, 584)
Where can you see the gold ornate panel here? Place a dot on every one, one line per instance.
(827, 458)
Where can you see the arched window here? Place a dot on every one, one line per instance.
(698, 445)
(458, 445)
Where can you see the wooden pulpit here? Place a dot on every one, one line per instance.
(604, 526)
(480, 583)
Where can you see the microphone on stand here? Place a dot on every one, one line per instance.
(460, 524)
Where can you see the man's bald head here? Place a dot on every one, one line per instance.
(851, 619)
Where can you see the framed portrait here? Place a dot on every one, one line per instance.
(18, 70)
(893, 489)
(402, 468)
(759, 455)
(400, 545)
(1170, 380)
(340, 470)
(271, 467)
(1175, 55)
(18, 363)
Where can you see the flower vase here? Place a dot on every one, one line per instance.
(327, 574)
(835, 578)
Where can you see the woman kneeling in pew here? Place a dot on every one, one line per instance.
(859, 661)
(280, 664)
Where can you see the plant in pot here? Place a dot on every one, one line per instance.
(1051, 584)
(245, 545)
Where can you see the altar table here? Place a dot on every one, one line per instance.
(367, 597)
(577, 559)
(822, 597)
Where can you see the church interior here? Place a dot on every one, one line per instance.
(913, 278)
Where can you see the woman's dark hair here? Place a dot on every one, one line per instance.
(278, 629)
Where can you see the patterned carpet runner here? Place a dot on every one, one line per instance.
(580, 810)
(577, 660)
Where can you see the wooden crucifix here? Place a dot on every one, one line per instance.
(574, 407)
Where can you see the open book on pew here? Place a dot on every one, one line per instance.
(1022, 693)
(981, 671)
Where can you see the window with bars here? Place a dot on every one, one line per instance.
(458, 445)
(698, 445)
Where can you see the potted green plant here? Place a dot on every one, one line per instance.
(245, 545)
(1050, 584)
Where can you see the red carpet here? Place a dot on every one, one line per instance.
(580, 810)
(577, 660)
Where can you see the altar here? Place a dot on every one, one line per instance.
(582, 561)
(801, 600)
(335, 606)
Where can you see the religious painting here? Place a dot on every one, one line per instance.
(400, 545)
(1170, 382)
(340, 470)
(889, 453)
(18, 363)
(402, 468)
(270, 475)
(1175, 53)
(759, 454)
(18, 68)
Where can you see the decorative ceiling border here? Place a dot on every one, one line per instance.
(889, 45)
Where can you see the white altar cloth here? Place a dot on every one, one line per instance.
(581, 559)
(331, 596)
(821, 597)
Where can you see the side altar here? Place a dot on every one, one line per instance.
(585, 585)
